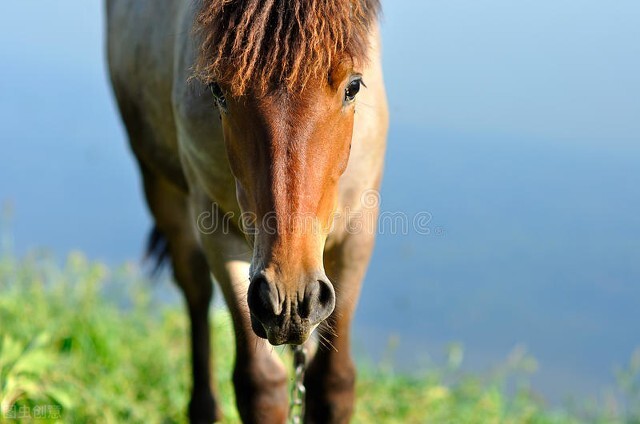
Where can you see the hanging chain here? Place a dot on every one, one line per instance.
(298, 391)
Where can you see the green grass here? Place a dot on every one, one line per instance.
(91, 344)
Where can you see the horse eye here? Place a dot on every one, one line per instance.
(218, 94)
(352, 90)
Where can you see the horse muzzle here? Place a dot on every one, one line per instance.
(289, 317)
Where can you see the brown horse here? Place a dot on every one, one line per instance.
(255, 115)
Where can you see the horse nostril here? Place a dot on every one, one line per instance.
(327, 297)
(319, 301)
(262, 300)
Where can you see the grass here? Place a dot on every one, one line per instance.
(84, 343)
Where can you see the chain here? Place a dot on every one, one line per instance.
(298, 391)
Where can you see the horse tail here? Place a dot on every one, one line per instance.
(157, 251)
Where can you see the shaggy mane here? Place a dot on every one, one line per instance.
(263, 44)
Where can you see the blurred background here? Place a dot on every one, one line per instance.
(515, 125)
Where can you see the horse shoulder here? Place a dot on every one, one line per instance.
(198, 126)
(360, 183)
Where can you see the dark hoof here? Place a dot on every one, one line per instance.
(203, 409)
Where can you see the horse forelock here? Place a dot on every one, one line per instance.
(264, 44)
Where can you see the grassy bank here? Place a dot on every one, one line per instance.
(83, 343)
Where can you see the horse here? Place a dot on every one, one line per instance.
(269, 119)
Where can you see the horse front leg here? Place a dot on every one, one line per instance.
(260, 382)
(259, 377)
(192, 275)
(171, 213)
(331, 375)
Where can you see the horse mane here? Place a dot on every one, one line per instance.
(265, 44)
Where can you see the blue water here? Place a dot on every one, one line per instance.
(522, 144)
(539, 245)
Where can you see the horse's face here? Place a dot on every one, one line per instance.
(287, 152)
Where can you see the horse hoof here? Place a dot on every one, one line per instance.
(203, 409)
